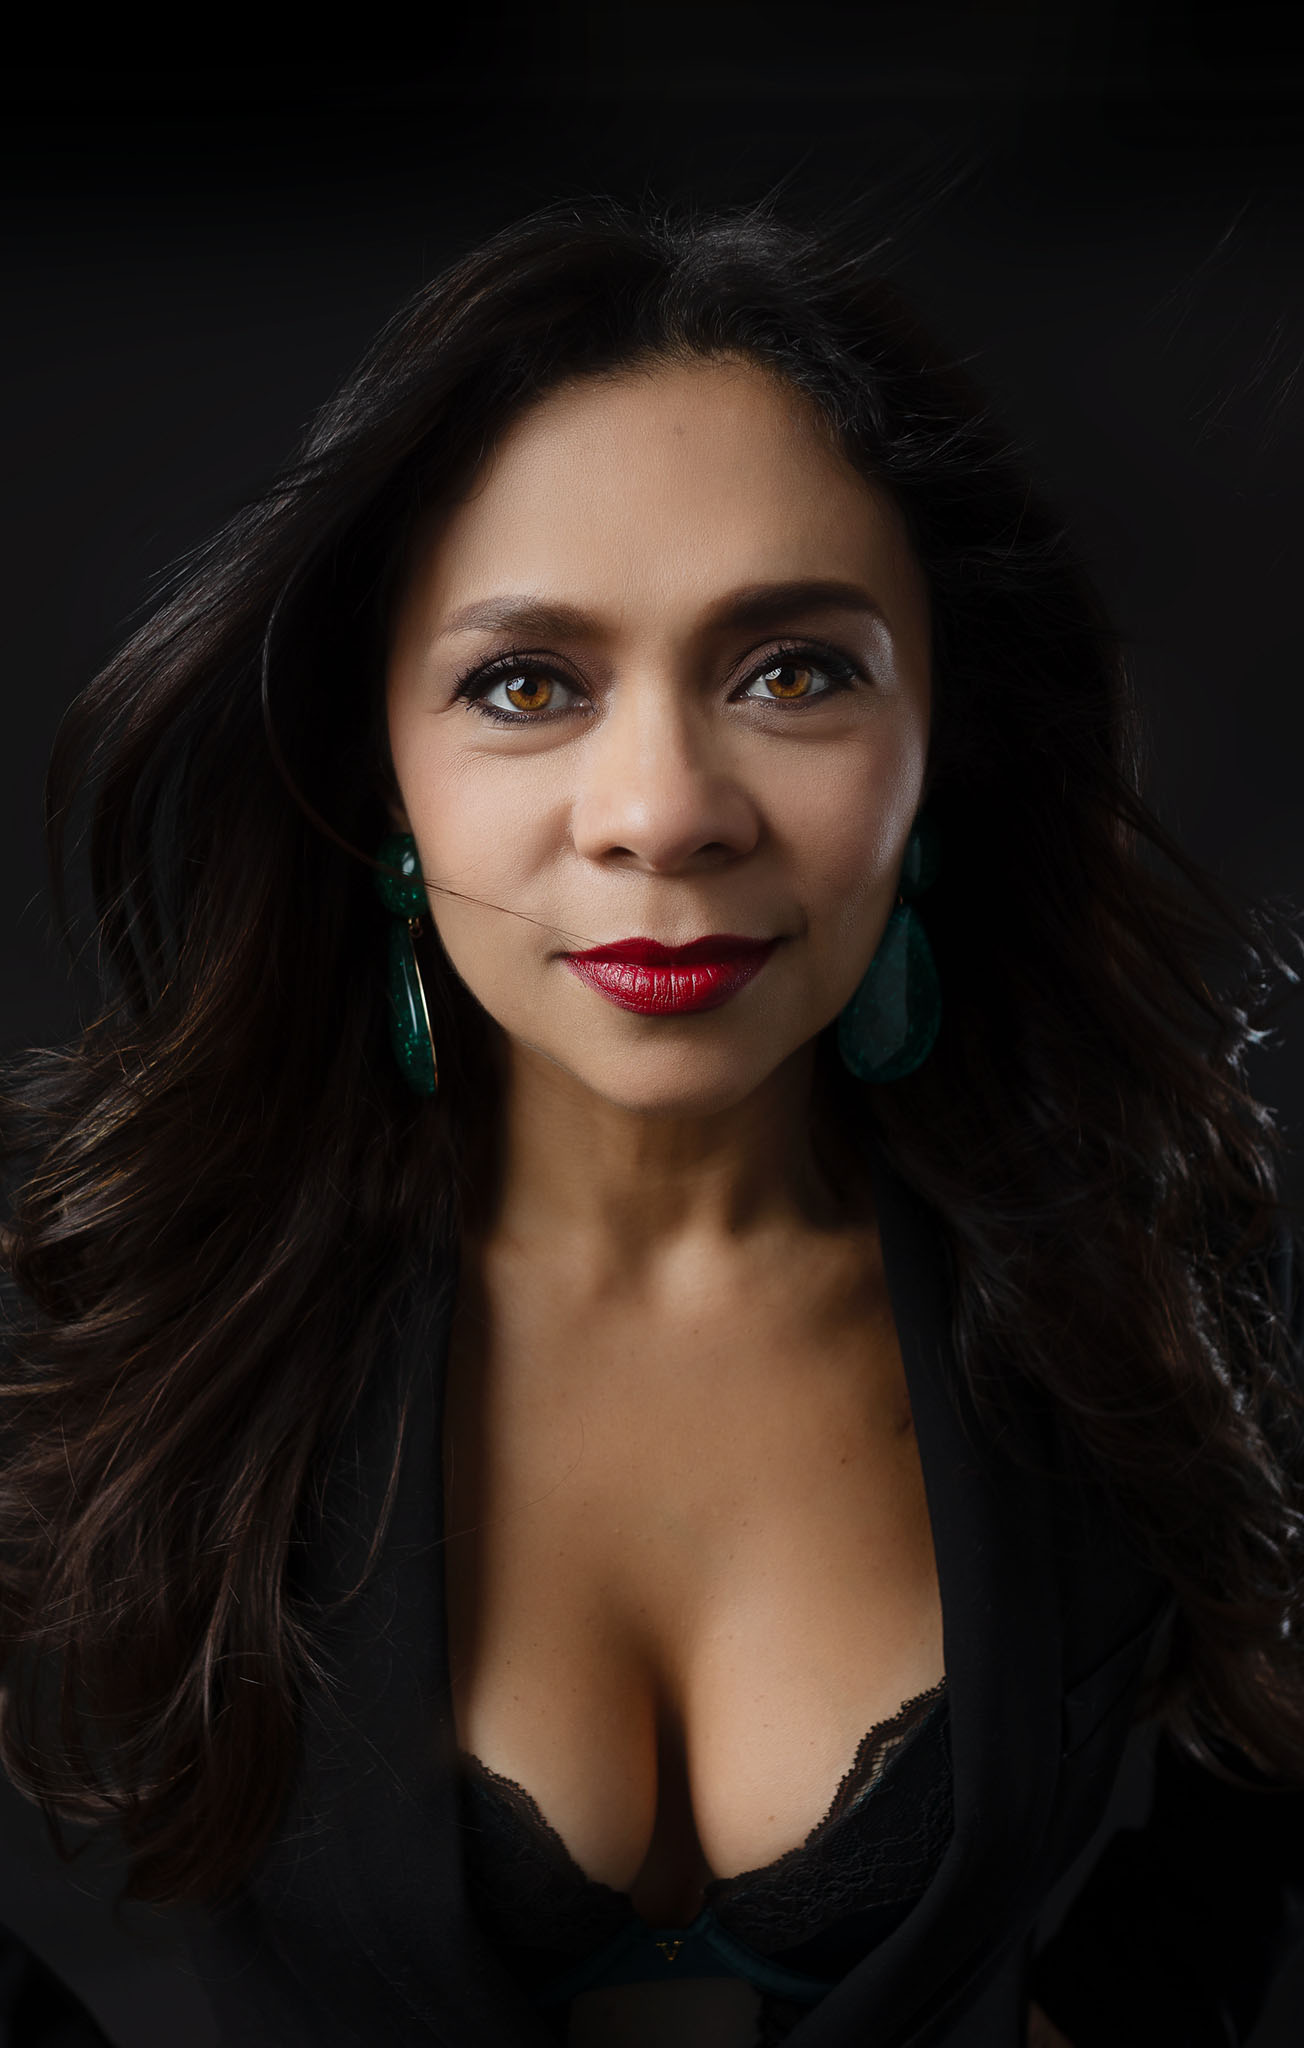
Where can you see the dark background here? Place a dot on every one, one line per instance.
(1100, 208)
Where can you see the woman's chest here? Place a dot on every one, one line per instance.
(681, 1589)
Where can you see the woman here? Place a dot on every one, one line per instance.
(630, 1488)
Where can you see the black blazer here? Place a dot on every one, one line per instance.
(355, 1931)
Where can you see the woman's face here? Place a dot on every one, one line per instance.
(712, 719)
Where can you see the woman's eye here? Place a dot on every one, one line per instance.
(521, 692)
(527, 693)
(796, 677)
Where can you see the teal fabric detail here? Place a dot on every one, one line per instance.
(641, 1955)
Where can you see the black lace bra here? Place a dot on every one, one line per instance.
(792, 1929)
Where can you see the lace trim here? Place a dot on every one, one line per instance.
(864, 1865)
(874, 1757)
(509, 1883)
(522, 1879)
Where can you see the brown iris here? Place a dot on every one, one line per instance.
(529, 693)
(800, 683)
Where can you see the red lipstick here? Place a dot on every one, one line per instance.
(662, 981)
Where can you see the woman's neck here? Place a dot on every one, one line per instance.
(622, 1195)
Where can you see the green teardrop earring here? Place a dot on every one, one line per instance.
(404, 896)
(889, 1025)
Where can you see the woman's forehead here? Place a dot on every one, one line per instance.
(686, 483)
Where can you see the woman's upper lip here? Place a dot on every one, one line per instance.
(651, 953)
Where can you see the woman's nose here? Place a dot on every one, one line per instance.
(658, 787)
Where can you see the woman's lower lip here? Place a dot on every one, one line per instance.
(670, 991)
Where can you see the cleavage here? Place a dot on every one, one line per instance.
(626, 1640)
(661, 1896)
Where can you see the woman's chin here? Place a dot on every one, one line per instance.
(661, 1081)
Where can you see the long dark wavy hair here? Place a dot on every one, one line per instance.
(219, 1185)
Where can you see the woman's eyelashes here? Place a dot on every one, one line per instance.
(527, 686)
(790, 677)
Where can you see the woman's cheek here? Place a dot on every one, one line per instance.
(493, 912)
(848, 845)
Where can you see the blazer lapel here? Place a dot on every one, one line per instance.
(992, 1536)
(364, 1889)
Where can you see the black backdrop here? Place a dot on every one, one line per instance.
(1099, 206)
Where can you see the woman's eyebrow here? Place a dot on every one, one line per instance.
(758, 604)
